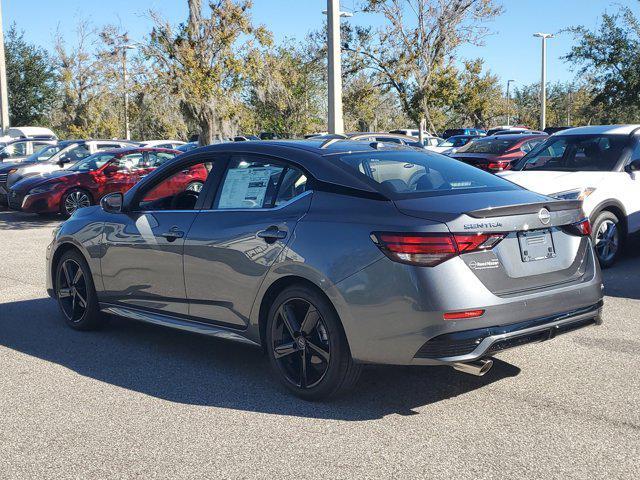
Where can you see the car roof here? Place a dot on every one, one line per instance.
(514, 136)
(30, 139)
(317, 156)
(600, 129)
(381, 134)
(135, 149)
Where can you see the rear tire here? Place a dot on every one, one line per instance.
(76, 293)
(607, 238)
(307, 347)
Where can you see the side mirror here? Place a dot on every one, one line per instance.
(633, 167)
(112, 203)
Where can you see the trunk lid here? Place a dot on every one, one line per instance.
(536, 251)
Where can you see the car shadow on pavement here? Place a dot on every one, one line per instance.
(11, 220)
(623, 278)
(192, 369)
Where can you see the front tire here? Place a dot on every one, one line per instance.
(607, 238)
(76, 294)
(307, 347)
(73, 200)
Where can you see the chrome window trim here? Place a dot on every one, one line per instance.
(279, 207)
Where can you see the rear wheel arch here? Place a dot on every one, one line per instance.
(617, 209)
(275, 289)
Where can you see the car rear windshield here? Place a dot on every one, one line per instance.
(575, 153)
(405, 173)
(488, 145)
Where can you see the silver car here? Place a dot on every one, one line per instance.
(332, 254)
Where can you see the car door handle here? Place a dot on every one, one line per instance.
(271, 234)
(173, 234)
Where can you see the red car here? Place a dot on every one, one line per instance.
(498, 152)
(92, 178)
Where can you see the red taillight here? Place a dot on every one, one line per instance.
(431, 249)
(584, 226)
(581, 228)
(463, 315)
(499, 166)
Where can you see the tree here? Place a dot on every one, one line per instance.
(479, 101)
(285, 91)
(83, 104)
(205, 62)
(369, 108)
(413, 53)
(32, 81)
(608, 56)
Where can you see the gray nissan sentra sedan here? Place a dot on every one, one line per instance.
(330, 255)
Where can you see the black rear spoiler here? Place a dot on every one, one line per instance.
(526, 208)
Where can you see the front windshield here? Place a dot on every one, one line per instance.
(92, 162)
(43, 154)
(402, 173)
(488, 145)
(575, 153)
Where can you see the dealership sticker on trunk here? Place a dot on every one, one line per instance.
(485, 265)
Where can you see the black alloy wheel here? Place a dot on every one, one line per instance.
(307, 346)
(301, 343)
(76, 293)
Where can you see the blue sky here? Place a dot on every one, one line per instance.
(510, 51)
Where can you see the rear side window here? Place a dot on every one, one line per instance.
(405, 173)
(254, 183)
(488, 145)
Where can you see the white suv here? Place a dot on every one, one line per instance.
(599, 165)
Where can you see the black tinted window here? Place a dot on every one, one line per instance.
(576, 153)
(404, 172)
(488, 145)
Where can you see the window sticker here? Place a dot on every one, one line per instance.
(245, 188)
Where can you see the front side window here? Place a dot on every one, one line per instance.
(574, 153)
(133, 161)
(254, 183)
(158, 158)
(179, 191)
(409, 173)
(92, 162)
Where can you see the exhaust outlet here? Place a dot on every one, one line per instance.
(477, 368)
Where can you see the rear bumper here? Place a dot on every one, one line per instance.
(470, 345)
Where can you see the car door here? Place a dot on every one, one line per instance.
(231, 245)
(629, 188)
(142, 262)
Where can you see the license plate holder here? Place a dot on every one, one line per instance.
(536, 245)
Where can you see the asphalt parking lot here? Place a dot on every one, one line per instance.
(137, 401)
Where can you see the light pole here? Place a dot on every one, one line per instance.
(335, 121)
(543, 79)
(509, 82)
(124, 48)
(4, 95)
